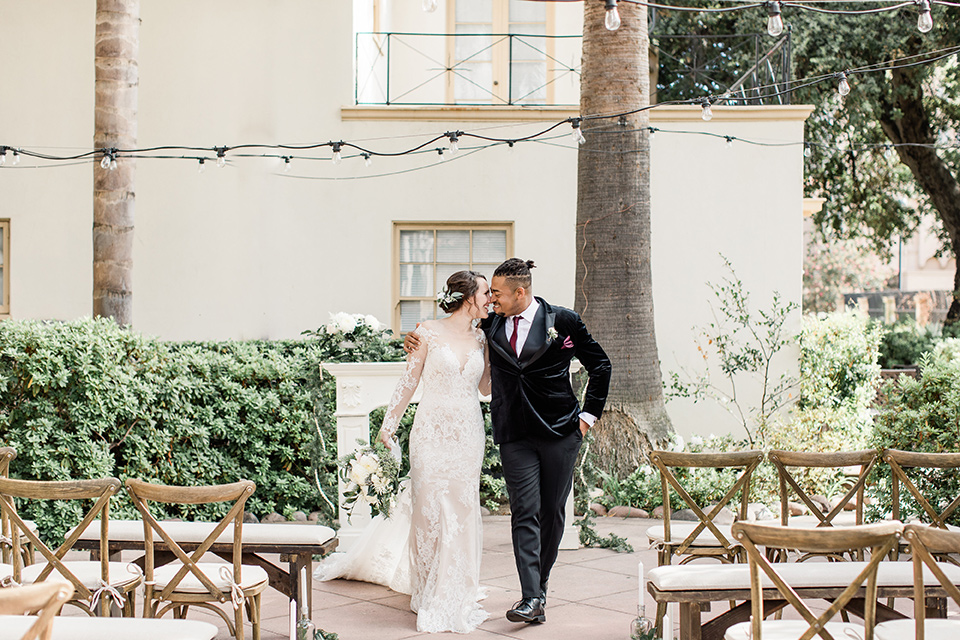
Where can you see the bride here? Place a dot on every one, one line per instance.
(430, 547)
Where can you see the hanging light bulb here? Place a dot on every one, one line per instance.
(807, 150)
(105, 161)
(707, 113)
(113, 164)
(337, 158)
(442, 157)
(577, 134)
(3, 156)
(510, 144)
(774, 19)
(16, 157)
(454, 142)
(221, 156)
(612, 20)
(286, 164)
(367, 159)
(653, 132)
(201, 167)
(843, 85)
(429, 5)
(925, 21)
(729, 142)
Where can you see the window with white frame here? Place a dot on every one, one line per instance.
(5, 266)
(428, 253)
(490, 66)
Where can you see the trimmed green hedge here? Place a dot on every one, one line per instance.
(86, 399)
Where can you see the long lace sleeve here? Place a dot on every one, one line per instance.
(404, 391)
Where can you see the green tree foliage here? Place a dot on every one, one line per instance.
(877, 192)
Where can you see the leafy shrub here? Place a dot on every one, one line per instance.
(87, 399)
(921, 415)
(905, 343)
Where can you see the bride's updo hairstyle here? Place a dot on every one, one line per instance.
(462, 282)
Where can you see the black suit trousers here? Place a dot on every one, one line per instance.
(539, 476)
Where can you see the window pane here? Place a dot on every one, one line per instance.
(444, 271)
(416, 246)
(529, 46)
(526, 11)
(473, 43)
(489, 246)
(474, 10)
(1, 253)
(416, 280)
(528, 83)
(414, 311)
(453, 246)
(472, 83)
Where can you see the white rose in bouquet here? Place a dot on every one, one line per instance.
(345, 322)
(372, 322)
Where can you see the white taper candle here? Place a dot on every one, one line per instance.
(293, 620)
(640, 577)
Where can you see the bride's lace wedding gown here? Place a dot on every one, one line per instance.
(430, 547)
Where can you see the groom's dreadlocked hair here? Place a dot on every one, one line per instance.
(516, 272)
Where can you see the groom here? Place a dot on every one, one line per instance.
(537, 420)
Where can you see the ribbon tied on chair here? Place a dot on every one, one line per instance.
(118, 598)
(236, 593)
(8, 582)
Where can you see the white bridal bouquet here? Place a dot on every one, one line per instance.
(372, 475)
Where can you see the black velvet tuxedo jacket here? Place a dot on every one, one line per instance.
(532, 396)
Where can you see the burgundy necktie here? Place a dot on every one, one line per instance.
(513, 337)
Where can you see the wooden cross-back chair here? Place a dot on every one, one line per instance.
(95, 582)
(6, 543)
(925, 542)
(880, 538)
(186, 581)
(43, 600)
(784, 461)
(705, 538)
(899, 461)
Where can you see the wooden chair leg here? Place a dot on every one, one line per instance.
(238, 621)
(255, 617)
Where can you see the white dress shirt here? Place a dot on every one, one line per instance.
(523, 330)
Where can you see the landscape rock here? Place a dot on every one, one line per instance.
(299, 516)
(758, 511)
(627, 512)
(796, 509)
(484, 511)
(273, 518)
(657, 513)
(314, 516)
(822, 502)
(250, 518)
(598, 509)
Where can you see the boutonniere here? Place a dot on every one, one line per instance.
(552, 333)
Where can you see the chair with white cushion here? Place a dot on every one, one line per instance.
(879, 538)
(42, 601)
(925, 541)
(95, 582)
(187, 580)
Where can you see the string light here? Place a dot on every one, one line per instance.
(113, 163)
(729, 141)
(429, 5)
(774, 19)
(3, 156)
(653, 132)
(577, 134)
(221, 156)
(337, 158)
(807, 150)
(925, 20)
(105, 161)
(16, 157)
(454, 141)
(201, 166)
(843, 85)
(441, 157)
(367, 159)
(286, 164)
(612, 18)
(707, 111)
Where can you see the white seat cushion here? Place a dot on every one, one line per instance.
(197, 531)
(88, 572)
(6, 571)
(793, 629)
(86, 628)
(933, 629)
(252, 576)
(705, 577)
(680, 531)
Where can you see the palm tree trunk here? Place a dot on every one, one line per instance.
(117, 45)
(614, 285)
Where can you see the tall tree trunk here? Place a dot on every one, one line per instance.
(614, 285)
(905, 120)
(117, 45)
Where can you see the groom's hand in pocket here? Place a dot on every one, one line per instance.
(583, 427)
(411, 342)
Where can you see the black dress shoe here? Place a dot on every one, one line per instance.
(527, 610)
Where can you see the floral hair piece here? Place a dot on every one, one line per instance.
(447, 297)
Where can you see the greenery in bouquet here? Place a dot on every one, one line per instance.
(372, 476)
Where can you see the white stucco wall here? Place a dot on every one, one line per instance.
(250, 252)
